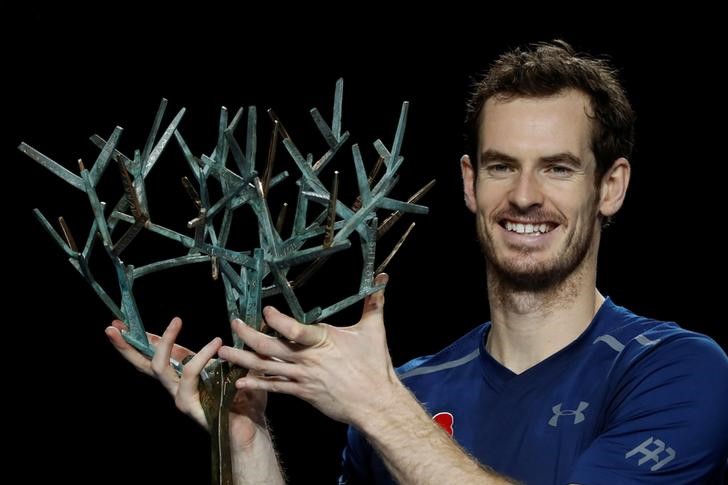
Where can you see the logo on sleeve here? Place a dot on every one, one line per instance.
(652, 450)
(445, 420)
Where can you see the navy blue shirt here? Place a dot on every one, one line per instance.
(631, 400)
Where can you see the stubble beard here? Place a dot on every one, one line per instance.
(514, 275)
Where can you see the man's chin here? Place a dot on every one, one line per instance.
(527, 279)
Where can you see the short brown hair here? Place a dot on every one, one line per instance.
(547, 68)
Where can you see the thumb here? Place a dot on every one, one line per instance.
(374, 303)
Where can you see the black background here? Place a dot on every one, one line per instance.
(85, 415)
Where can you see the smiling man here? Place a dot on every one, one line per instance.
(539, 196)
(537, 204)
(563, 385)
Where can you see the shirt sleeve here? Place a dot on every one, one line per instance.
(667, 421)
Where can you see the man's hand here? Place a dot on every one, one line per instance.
(345, 372)
(247, 413)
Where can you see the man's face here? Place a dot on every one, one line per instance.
(535, 198)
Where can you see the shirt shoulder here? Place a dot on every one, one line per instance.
(664, 412)
(460, 352)
(634, 341)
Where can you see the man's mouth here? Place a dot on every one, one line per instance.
(528, 227)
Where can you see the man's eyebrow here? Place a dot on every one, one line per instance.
(490, 155)
(496, 156)
(563, 157)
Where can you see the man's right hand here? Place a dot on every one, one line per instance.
(247, 412)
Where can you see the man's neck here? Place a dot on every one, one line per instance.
(528, 327)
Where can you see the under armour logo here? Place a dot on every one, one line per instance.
(652, 454)
(578, 413)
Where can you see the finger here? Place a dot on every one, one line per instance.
(129, 353)
(163, 352)
(309, 335)
(374, 304)
(259, 383)
(120, 325)
(260, 365)
(193, 368)
(179, 353)
(187, 397)
(123, 328)
(261, 343)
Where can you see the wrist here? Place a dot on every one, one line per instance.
(389, 406)
(244, 437)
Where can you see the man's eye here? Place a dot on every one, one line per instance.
(561, 170)
(498, 167)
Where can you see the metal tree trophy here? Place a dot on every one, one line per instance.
(247, 276)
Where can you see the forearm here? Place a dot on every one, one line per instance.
(256, 463)
(418, 451)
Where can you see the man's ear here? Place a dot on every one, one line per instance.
(614, 187)
(468, 182)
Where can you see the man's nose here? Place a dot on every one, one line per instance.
(526, 191)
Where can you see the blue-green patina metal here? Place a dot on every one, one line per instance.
(243, 272)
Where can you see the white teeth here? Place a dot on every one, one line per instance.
(527, 228)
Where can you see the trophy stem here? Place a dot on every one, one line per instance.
(216, 394)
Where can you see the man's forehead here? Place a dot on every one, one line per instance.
(575, 101)
(558, 122)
